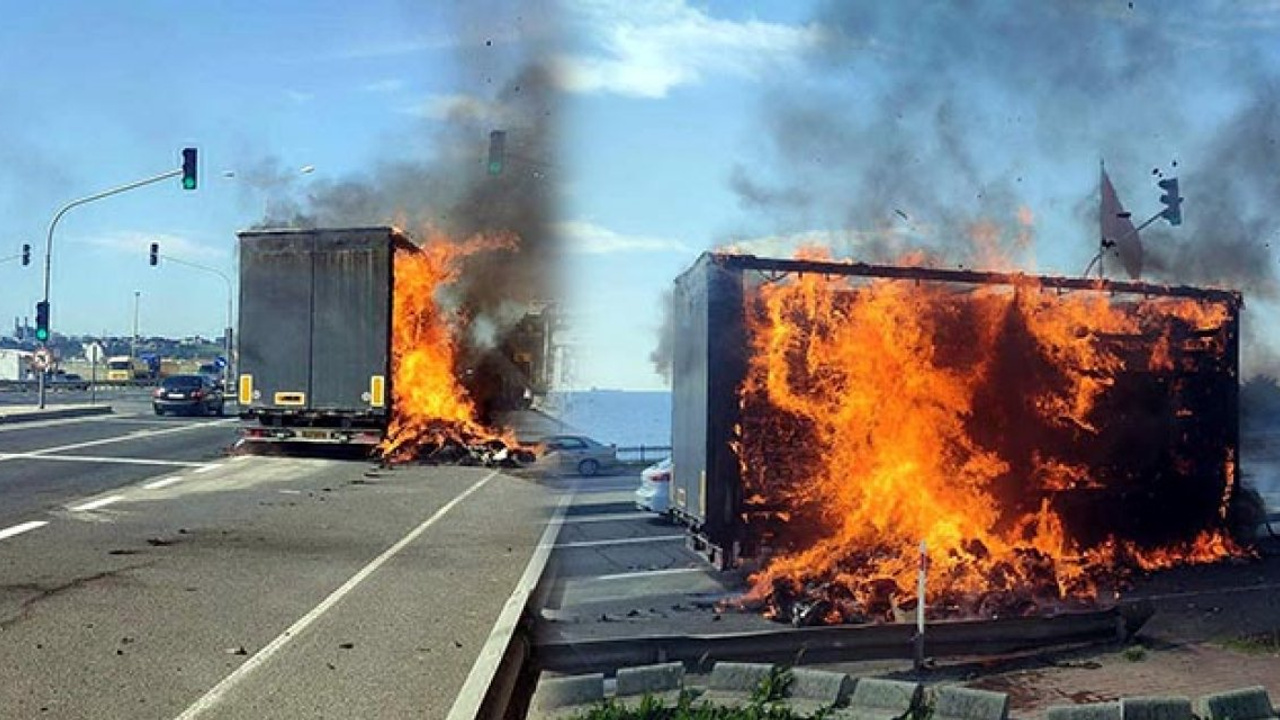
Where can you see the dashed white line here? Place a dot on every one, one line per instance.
(100, 459)
(207, 468)
(620, 541)
(163, 483)
(112, 440)
(21, 528)
(99, 503)
(212, 697)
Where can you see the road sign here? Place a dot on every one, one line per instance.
(42, 359)
(96, 353)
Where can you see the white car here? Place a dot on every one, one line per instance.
(654, 493)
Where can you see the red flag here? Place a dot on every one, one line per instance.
(1118, 234)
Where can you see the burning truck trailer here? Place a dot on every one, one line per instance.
(315, 338)
(1037, 437)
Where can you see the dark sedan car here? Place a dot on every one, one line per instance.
(189, 394)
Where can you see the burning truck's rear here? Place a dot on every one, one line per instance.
(315, 334)
(1035, 434)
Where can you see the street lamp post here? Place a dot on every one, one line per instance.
(48, 246)
(226, 335)
(133, 348)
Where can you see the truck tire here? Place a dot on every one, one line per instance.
(588, 467)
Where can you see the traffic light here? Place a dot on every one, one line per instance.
(497, 151)
(188, 168)
(26, 253)
(1172, 201)
(155, 254)
(42, 321)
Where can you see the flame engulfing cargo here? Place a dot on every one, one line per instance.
(1042, 435)
(432, 409)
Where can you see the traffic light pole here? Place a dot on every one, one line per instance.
(48, 246)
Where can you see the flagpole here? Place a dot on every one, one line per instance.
(1102, 239)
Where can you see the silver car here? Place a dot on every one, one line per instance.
(577, 453)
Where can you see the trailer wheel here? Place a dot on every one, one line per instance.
(588, 467)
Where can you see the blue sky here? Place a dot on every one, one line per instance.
(873, 127)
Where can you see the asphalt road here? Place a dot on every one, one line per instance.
(52, 463)
(144, 573)
(618, 571)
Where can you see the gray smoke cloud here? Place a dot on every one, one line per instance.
(956, 112)
(933, 118)
(663, 355)
(505, 82)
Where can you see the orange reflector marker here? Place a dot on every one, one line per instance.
(290, 398)
(377, 391)
(245, 394)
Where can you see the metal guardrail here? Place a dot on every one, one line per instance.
(643, 453)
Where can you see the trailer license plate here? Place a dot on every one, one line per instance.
(176, 396)
(314, 434)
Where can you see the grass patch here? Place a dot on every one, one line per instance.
(1266, 643)
(762, 706)
(1134, 653)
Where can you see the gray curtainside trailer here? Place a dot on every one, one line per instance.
(315, 334)
(1162, 479)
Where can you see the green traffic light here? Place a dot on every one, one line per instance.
(42, 334)
(188, 183)
(495, 168)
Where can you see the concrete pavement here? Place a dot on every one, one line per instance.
(264, 587)
(27, 413)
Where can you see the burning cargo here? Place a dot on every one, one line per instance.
(1040, 435)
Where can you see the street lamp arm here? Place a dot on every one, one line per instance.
(225, 278)
(48, 245)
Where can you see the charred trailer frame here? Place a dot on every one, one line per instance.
(315, 334)
(711, 356)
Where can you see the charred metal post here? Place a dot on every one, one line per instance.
(918, 651)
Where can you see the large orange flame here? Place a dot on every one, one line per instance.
(430, 404)
(879, 414)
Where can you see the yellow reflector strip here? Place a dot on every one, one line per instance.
(290, 398)
(377, 391)
(245, 394)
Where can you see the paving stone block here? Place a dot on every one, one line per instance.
(961, 703)
(1251, 703)
(1086, 711)
(1155, 708)
(558, 693)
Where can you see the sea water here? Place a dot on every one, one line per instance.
(618, 417)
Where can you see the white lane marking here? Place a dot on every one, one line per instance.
(163, 483)
(212, 697)
(115, 439)
(99, 503)
(620, 541)
(21, 528)
(466, 705)
(607, 518)
(648, 573)
(103, 459)
(208, 468)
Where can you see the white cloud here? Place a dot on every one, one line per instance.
(299, 96)
(591, 239)
(137, 243)
(644, 48)
(386, 85)
(451, 40)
